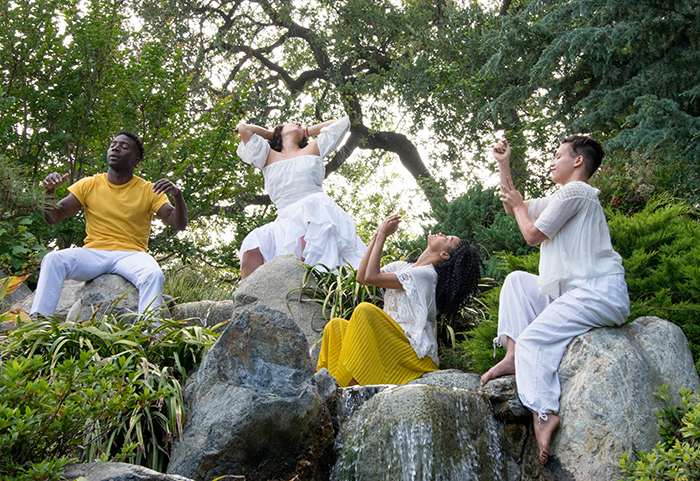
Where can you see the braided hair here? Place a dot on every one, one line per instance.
(276, 140)
(458, 278)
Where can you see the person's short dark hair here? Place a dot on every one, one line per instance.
(458, 278)
(589, 148)
(136, 139)
(276, 140)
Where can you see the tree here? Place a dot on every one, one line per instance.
(624, 71)
(316, 61)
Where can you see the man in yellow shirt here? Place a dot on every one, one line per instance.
(119, 207)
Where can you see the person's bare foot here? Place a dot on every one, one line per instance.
(503, 368)
(543, 433)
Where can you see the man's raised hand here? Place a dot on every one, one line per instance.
(52, 181)
(501, 151)
(164, 186)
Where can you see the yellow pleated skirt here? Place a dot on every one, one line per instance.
(370, 348)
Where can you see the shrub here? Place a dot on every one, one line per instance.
(104, 390)
(677, 456)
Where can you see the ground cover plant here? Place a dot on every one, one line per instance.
(106, 390)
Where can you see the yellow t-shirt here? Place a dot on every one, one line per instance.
(117, 217)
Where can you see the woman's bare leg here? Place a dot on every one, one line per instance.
(303, 246)
(504, 367)
(543, 433)
(251, 260)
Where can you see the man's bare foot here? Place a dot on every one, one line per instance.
(543, 433)
(503, 368)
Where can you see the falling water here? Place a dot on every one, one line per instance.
(417, 432)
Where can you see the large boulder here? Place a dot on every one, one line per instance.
(254, 407)
(279, 285)
(108, 293)
(608, 378)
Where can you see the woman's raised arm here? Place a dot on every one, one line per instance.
(370, 271)
(246, 131)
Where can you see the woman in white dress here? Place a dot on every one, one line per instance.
(309, 223)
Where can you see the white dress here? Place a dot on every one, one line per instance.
(303, 209)
(413, 307)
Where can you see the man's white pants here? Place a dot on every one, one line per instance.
(542, 327)
(83, 264)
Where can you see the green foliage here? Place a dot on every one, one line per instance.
(660, 247)
(337, 291)
(187, 283)
(677, 456)
(94, 391)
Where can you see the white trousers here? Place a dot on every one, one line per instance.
(542, 327)
(83, 264)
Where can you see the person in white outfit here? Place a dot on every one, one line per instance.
(309, 224)
(119, 207)
(581, 283)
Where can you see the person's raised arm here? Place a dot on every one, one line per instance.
(316, 129)
(513, 200)
(370, 266)
(501, 152)
(246, 131)
(66, 207)
(174, 214)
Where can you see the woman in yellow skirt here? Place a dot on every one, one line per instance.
(397, 345)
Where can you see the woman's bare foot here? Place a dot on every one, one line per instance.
(503, 368)
(543, 433)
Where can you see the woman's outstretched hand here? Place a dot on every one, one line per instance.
(389, 225)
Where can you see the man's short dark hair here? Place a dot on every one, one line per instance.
(135, 138)
(589, 148)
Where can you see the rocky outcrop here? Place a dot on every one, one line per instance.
(277, 284)
(254, 407)
(608, 377)
(108, 293)
(118, 472)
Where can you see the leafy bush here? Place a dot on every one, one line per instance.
(677, 456)
(96, 390)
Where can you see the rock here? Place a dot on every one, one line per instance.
(69, 295)
(424, 432)
(108, 293)
(608, 377)
(253, 407)
(104, 294)
(277, 285)
(203, 313)
(118, 472)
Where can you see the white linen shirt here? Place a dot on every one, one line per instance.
(413, 307)
(579, 245)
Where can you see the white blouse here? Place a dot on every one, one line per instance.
(579, 245)
(413, 307)
(289, 180)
